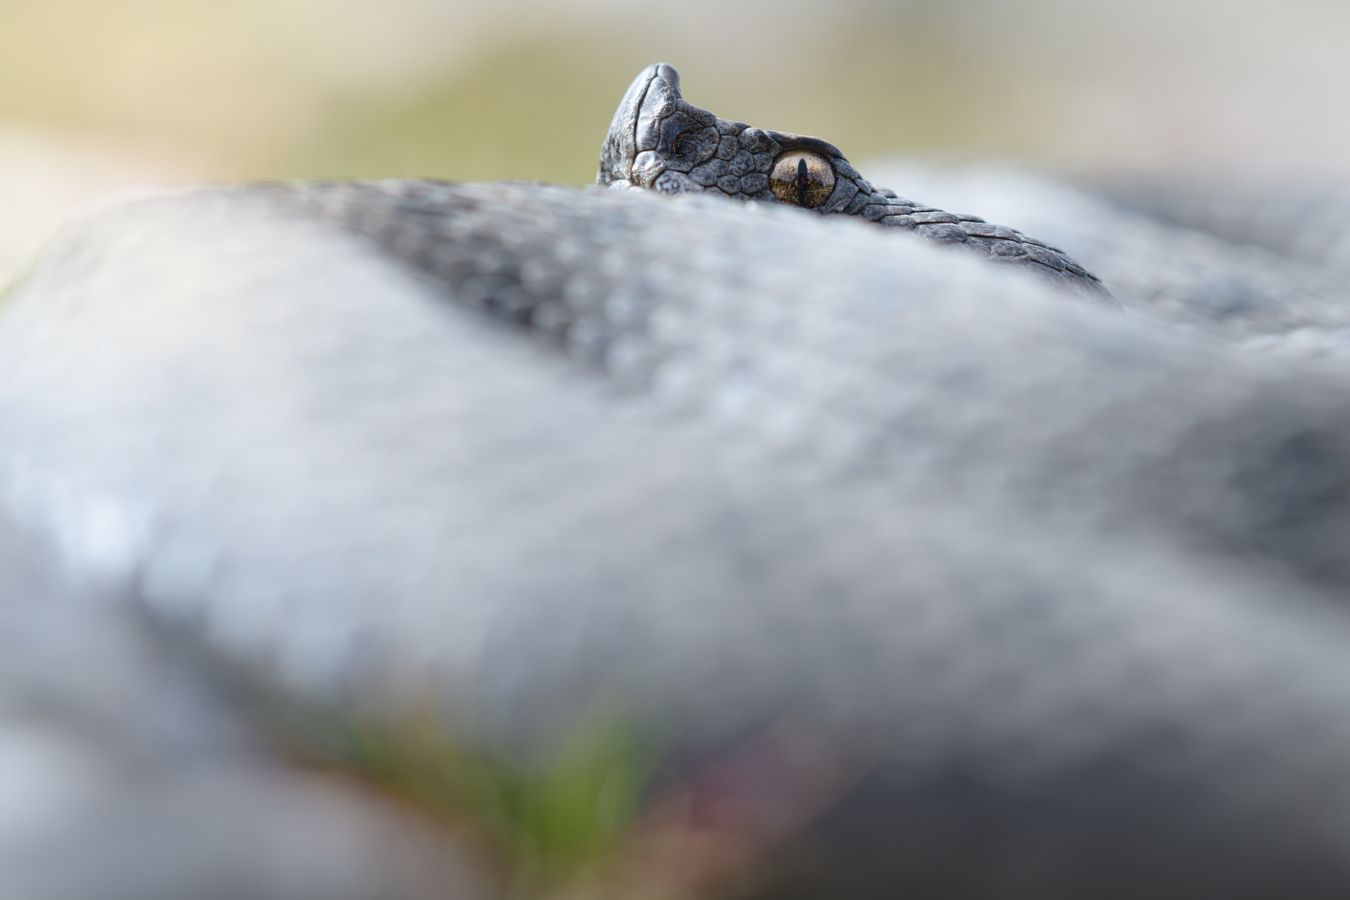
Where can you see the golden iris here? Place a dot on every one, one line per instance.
(802, 179)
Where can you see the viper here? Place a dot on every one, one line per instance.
(419, 539)
(659, 141)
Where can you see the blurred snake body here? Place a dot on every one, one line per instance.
(670, 546)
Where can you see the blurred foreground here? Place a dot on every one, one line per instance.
(411, 541)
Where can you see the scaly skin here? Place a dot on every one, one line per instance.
(912, 578)
(1257, 280)
(1308, 220)
(661, 142)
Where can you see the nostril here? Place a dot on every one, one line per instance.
(647, 167)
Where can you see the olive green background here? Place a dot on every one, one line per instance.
(188, 89)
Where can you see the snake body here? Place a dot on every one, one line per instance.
(905, 573)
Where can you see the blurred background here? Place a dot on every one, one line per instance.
(95, 97)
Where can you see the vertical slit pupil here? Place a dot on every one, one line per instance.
(803, 181)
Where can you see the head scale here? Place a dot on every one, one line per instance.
(659, 141)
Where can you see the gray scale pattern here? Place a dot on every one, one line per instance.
(1053, 597)
(947, 584)
(660, 141)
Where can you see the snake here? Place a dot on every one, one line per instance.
(659, 141)
(422, 539)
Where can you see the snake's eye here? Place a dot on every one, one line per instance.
(802, 179)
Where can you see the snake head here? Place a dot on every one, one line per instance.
(661, 142)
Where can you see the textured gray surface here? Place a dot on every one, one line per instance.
(1052, 596)
(1225, 281)
(1307, 220)
(659, 141)
(127, 773)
